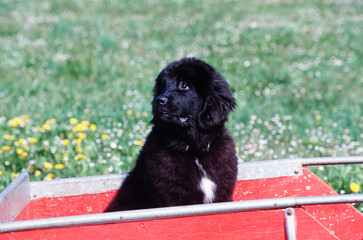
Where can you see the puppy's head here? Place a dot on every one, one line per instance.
(191, 92)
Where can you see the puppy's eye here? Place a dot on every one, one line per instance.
(183, 86)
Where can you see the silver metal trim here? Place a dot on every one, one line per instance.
(75, 186)
(290, 223)
(269, 169)
(14, 198)
(181, 211)
(331, 160)
(288, 167)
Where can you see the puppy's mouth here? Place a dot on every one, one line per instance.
(183, 119)
(167, 116)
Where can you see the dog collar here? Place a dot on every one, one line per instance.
(204, 150)
(207, 149)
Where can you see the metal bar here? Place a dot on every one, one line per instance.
(14, 198)
(288, 167)
(290, 223)
(331, 160)
(180, 211)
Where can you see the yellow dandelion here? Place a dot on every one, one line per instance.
(37, 173)
(49, 176)
(39, 128)
(24, 118)
(71, 135)
(318, 117)
(82, 136)
(138, 142)
(85, 123)
(59, 166)
(51, 121)
(6, 148)
(19, 151)
(65, 142)
(15, 175)
(80, 157)
(145, 114)
(22, 141)
(16, 143)
(12, 123)
(15, 122)
(104, 136)
(65, 155)
(9, 137)
(32, 140)
(354, 187)
(24, 155)
(1, 151)
(93, 127)
(46, 127)
(78, 141)
(73, 121)
(79, 149)
(48, 165)
(78, 128)
(329, 184)
(1, 173)
(128, 112)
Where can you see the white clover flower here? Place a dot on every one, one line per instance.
(60, 57)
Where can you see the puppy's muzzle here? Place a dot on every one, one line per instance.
(161, 100)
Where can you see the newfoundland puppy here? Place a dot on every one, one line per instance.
(189, 156)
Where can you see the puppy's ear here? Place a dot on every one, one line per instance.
(217, 103)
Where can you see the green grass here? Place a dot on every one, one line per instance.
(295, 68)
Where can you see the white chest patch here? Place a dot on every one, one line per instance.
(207, 186)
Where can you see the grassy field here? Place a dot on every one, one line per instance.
(76, 80)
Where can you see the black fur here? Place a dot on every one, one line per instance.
(191, 104)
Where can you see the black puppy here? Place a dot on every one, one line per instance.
(188, 157)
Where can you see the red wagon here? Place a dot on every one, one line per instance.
(276, 199)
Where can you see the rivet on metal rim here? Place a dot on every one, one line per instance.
(289, 211)
(290, 224)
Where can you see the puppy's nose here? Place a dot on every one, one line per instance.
(161, 100)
